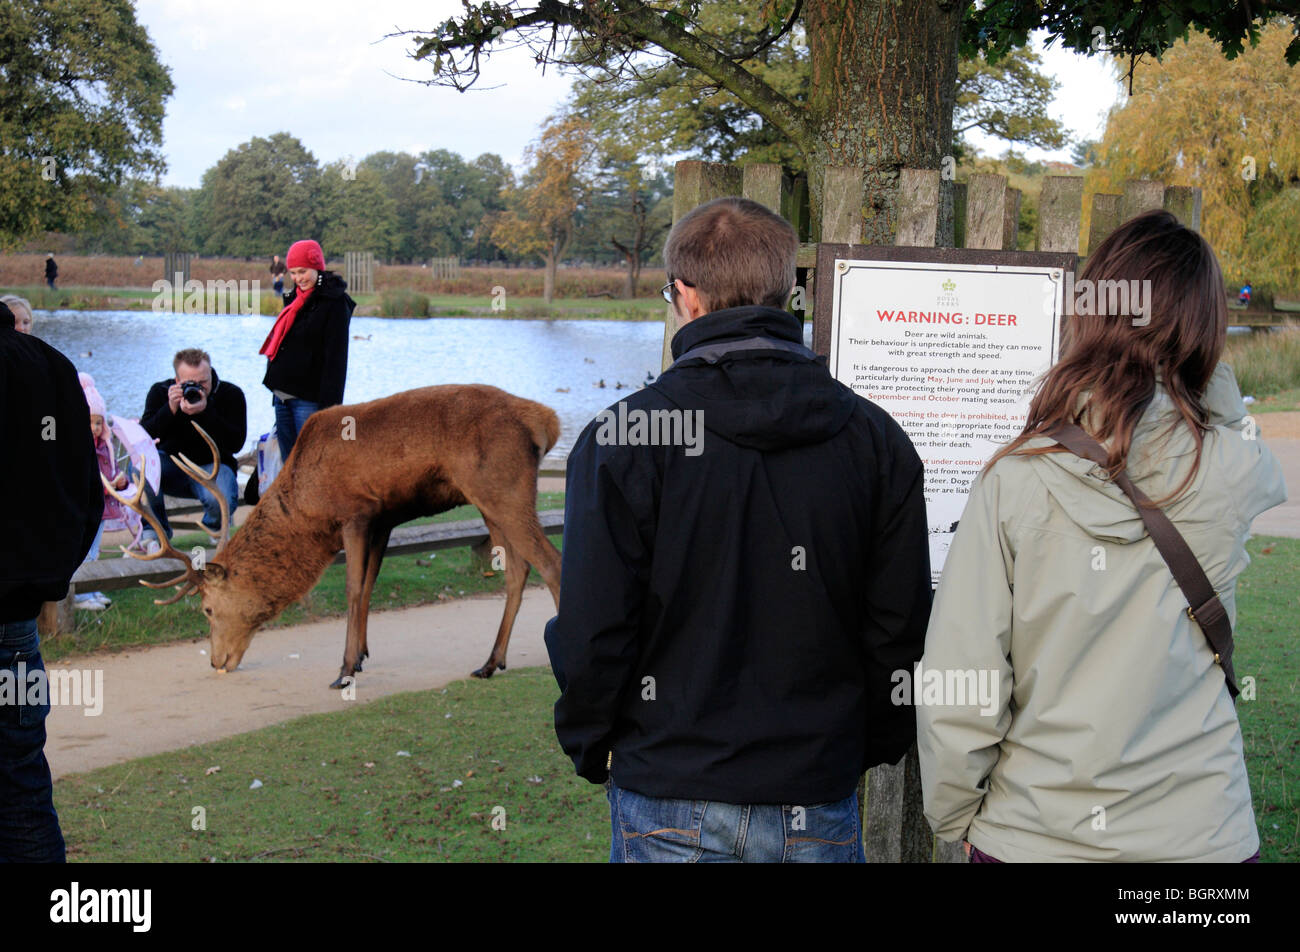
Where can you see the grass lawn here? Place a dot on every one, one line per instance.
(1283, 400)
(134, 619)
(421, 776)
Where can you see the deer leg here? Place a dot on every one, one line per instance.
(374, 559)
(516, 576)
(542, 555)
(356, 548)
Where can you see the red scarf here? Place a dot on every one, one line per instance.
(271, 346)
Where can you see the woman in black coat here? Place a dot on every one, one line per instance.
(307, 349)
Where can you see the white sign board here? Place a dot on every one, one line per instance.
(950, 351)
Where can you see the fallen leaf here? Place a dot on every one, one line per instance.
(210, 771)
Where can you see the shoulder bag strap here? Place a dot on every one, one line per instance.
(1204, 606)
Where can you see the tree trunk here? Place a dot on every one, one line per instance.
(548, 282)
(883, 113)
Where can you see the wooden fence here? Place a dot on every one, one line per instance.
(444, 269)
(174, 263)
(359, 271)
(981, 213)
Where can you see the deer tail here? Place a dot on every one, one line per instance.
(544, 426)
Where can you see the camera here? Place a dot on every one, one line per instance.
(191, 392)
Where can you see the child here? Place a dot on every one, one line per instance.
(97, 601)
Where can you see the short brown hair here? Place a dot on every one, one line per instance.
(734, 252)
(190, 356)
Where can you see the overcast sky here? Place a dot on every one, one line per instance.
(323, 72)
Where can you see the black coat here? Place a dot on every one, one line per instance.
(51, 269)
(52, 497)
(729, 622)
(225, 419)
(312, 363)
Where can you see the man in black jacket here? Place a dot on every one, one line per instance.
(53, 502)
(196, 395)
(745, 566)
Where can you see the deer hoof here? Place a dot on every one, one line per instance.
(484, 672)
(343, 680)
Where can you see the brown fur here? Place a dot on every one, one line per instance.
(413, 454)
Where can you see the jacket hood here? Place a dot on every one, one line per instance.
(762, 399)
(1158, 462)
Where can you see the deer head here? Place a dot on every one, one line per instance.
(233, 613)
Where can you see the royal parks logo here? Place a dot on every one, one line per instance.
(947, 296)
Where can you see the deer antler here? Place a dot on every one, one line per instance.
(209, 480)
(191, 578)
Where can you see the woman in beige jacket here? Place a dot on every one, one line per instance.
(1111, 735)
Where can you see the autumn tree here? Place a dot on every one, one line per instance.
(541, 213)
(883, 74)
(81, 111)
(1229, 129)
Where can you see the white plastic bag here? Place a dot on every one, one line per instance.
(268, 460)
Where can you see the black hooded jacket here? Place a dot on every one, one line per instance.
(732, 612)
(225, 419)
(312, 362)
(53, 499)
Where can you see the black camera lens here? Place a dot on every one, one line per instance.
(191, 392)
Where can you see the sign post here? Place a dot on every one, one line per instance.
(949, 343)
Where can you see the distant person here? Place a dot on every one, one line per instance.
(21, 309)
(277, 274)
(54, 501)
(195, 395)
(307, 349)
(1243, 297)
(735, 604)
(103, 439)
(1109, 734)
(51, 271)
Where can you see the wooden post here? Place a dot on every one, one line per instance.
(695, 183)
(766, 183)
(359, 271)
(842, 204)
(1105, 218)
(986, 210)
(1140, 195)
(1185, 203)
(918, 208)
(57, 617)
(1059, 210)
(1011, 221)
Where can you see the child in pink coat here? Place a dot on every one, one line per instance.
(97, 601)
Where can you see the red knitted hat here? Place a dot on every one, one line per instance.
(305, 254)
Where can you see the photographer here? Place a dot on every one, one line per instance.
(195, 396)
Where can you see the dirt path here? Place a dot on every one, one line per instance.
(165, 698)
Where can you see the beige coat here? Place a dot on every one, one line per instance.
(1113, 737)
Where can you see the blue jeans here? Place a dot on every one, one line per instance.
(174, 482)
(656, 830)
(289, 417)
(29, 826)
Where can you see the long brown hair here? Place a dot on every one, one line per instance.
(1110, 363)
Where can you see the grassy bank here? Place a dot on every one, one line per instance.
(421, 776)
(1266, 363)
(405, 580)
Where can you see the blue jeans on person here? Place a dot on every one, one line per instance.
(174, 482)
(29, 825)
(290, 415)
(658, 830)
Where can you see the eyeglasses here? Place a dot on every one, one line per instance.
(668, 289)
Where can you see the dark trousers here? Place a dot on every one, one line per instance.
(29, 826)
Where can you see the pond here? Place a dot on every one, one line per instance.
(559, 363)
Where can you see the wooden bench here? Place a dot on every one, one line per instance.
(116, 574)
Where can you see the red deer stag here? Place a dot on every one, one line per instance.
(355, 473)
